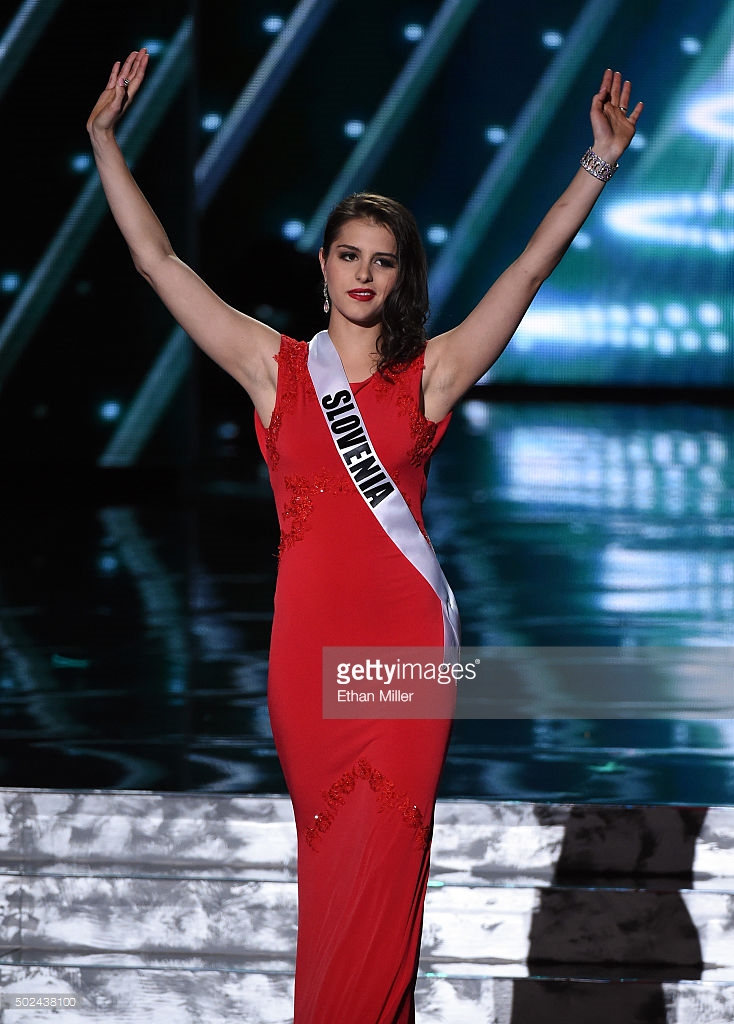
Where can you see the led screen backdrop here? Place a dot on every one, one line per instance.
(257, 117)
(134, 628)
(477, 123)
(645, 294)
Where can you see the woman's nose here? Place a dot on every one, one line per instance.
(364, 272)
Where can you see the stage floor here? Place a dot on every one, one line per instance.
(135, 609)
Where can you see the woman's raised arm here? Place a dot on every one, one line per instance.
(458, 359)
(242, 346)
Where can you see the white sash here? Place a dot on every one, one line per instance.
(372, 480)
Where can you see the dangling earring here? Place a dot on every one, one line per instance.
(327, 305)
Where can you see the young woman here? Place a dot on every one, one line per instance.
(348, 424)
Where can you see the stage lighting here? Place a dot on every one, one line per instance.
(228, 431)
(690, 45)
(211, 122)
(413, 32)
(9, 282)
(709, 314)
(110, 411)
(153, 46)
(676, 314)
(495, 134)
(272, 24)
(690, 341)
(713, 116)
(582, 241)
(552, 39)
(80, 162)
(437, 234)
(695, 220)
(292, 229)
(107, 564)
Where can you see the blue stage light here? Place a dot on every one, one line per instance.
(690, 45)
(413, 32)
(690, 341)
(665, 342)
(476, 415)
(709, 314)
(495, 134)
(713, 116)
(676, 314)
(153, 46)
(646, 315)
(437, 234)
(695, 220)
(292, 229)
(582, 241)
(108, 564)
(110, 411)
(353, 129)
(717, 342)
(211, 122)
(81, 162)
(9, 282)
(228, 431)
(552, 39)
(272, 24)
(667, 330)
(619, 315)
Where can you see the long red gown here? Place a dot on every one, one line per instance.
(363, 791)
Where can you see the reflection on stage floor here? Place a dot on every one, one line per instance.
(134, 625)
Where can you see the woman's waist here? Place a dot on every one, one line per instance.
(341, 518)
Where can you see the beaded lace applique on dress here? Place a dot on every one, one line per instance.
(298, 510)
(422, 430)
(388, 797)
(291, 360)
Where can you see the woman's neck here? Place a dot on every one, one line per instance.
(357, 348)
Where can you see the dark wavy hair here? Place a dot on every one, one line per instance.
(406, 309)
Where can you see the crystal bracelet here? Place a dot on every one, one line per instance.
(595, 165)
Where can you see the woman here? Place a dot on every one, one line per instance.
(347, 425)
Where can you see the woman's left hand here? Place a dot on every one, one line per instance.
(612, 122)
(122, 85)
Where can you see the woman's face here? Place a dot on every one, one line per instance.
(360, 271)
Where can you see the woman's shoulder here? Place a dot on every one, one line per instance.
(406, 369)
(292, 345)
(292, 360)
(291, 351)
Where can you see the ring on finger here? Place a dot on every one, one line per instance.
(623, 109)
(126, 82)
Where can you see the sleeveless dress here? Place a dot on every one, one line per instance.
(363, 791)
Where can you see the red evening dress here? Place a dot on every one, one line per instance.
(363, 791)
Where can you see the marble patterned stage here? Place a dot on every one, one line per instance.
(182, 908)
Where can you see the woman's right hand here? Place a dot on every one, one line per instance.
(117, 95)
